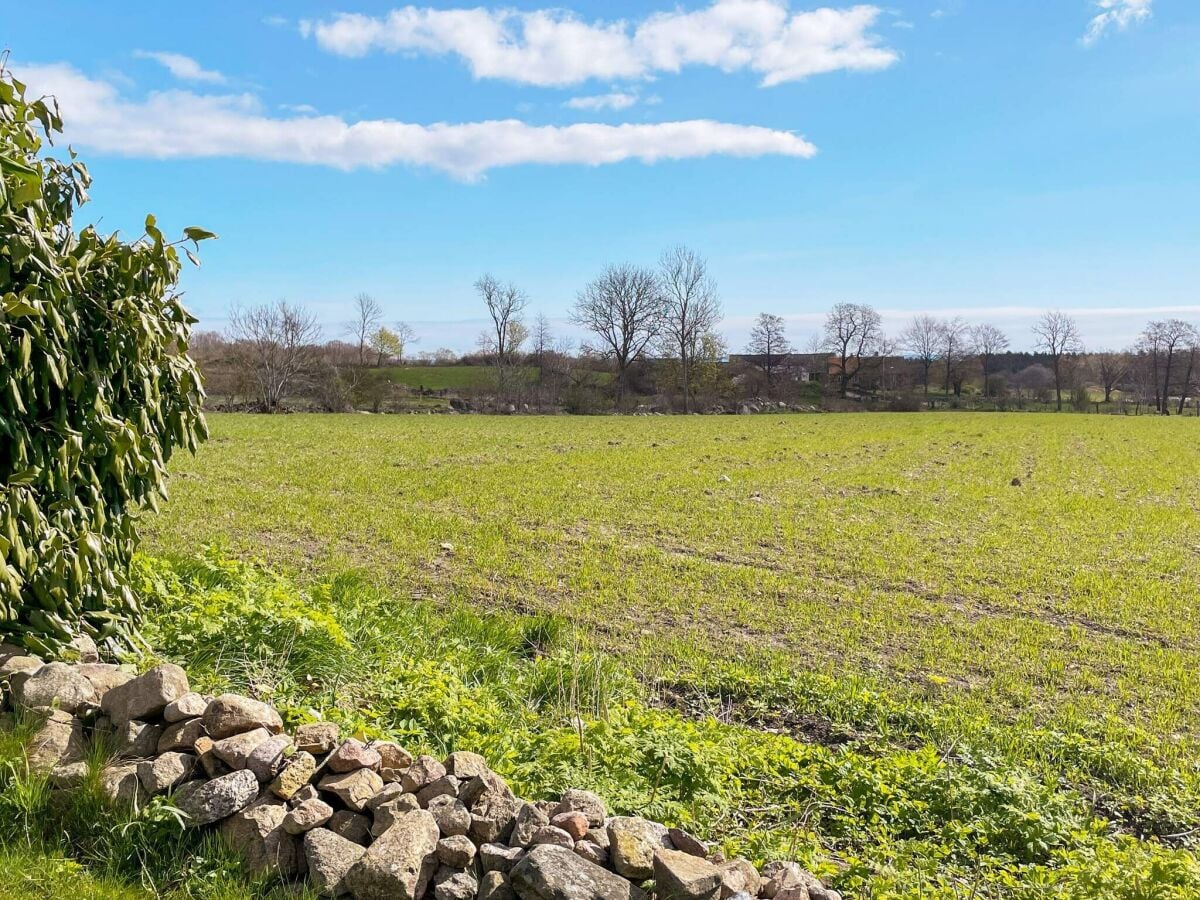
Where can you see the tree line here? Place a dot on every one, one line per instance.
(652, 339)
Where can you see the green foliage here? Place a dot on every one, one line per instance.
(96, 390)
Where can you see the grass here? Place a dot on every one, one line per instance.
(439, 378)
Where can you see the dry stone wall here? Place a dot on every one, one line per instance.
(366, 820)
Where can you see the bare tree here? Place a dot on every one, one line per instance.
(405, 335)
(769, 342)
(274, 346)
(1163, 341)
(953, 335)
(368, 317)
(505, 305)
(1058, 337)
(543, 339)
(987, 341)
(1111, 370)
(853, 332)
(624, 308)
(922, 339)
(691, 308)
(1186, 385)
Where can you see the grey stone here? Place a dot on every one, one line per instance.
(205, 802)
(465, 765)
(104, 677)
(56, 685)
(739, 875)
(57, 741)
(425, 770)
(451, 816)
(235, 751)
(392, 755)
(688, 843)
(353, 754)
(682, 876)
(147, 695)
(266, 759)
(446, 786)
(549, 834)
(190, 706)
(354, 789)
(306, 816)
(84, 649)
(17, 665)
(592, 853)
(213, 767)
(330, 857)
(456, 850)
(555, 873)
(499, 858)
(389, 793)
(120, 784)
(387, 813)
(181, 735)
(351, 825)
(585, 802)
(232, 714)
(317, 737)
(165, 771)
(454, 884)
(257, 833)
(137, 740)
(527, 820)
(632, 844)
(306, 793)
(399, 865)
(495, 886)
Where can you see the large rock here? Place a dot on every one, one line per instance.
(585, 802)
(205, 802)
(165, 771)
(58, 741)
(257, 833)
(456, 851)
(399, 865)
(351, 825)
(495, 886)
(135, 739)
(353, 754)
(681, 876)
(632, 842)
(739, 875)
(297, 773)
(329, 858)
(232, 714)
(182, 735)
(452, 884)
(493, 808)
(527, 821)
(104, 677)
(555, 873)
(306, 816)
(147, 695)
(451, 816)
(353, 788)
(425, 770)
(465, 765)
(392, 755)
(190, 706)
(266, 759)
(316, 738)
(120, 784)
(55, 685)
(235, 751)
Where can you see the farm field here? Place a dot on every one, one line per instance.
(975, 635)
(437, 378)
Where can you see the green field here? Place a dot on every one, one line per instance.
(453, 378)
(976, 684)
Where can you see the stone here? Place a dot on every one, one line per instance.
(316, 738)
(425, 770)
(456, 850)
(104, 677)
(387, 813)
(585, 802)
(452, 884)
(354, 789)
(266, 759)
(688, 843)
(190, 706)
(232, 714)
(493, 808)
(499, 858)
(19, 664)
(181, 735)
(549, 834)
(401, 862)
(56, 685)
(451, 816)
(165, 771)
(205, 802)
(632, 844)
(682, 876)
(389, 793)
(306, 793)
(58, 741)
(353, 754)
(573, 823)
(446, 786)
(257, 833)
(306, 816)
(527, 821)
(329, 857)
(147, 695)
(495, 886)
(213, 767)
(555, 873)
(295, 775)
(235, 751)
(135, 739)
(465, 765)
(67, 776)
(778, 876)
(592, 853)
(392, 755)
(739, 875)
(120, 784)
(84, 649)
(352, 826)
(597, 836)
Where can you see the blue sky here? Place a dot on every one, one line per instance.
(974, 157)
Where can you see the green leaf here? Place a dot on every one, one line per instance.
(192, 233)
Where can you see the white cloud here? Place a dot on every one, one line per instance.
(182, 67)
(615, 100)
(180, 124)
(1116, 14)
(554, 47)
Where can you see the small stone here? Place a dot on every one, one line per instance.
(739, 875)
(451, 816)
(632, 844)
(190, 706)
(456, 850)
(555, 873)
(205, 802)
(688, 843)
(120, 784)
(401, 862)
(232, 714)
(58, 741)
(354, 789)
(235, 751)
(137, 740)
(498, 858)
(446, 786)
(306, 793)
(181, 735)
(450, 884)
(257, 833)
(104, 677)
(295, 775)
(329, 857)
(527, 821)
(495, 886)
(387, 813)
(84, 648)
(392, 755)
(165, 771)
(682, 876)
(549, 834)
(317, 738)
(307, 816)
(585, 802)
(597, 836)
(68, 776)
(146, 696)
(353, 754)
(352, 826)
(573, 823)
(213, 767)
(465, 765)
(389, 793)
(592, 853)
(17, 665)
(266, 759)
(56, 685)
(425, 770)
(392, 776)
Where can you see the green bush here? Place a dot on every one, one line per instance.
(96, 390)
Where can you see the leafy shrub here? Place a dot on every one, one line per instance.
(97, 390)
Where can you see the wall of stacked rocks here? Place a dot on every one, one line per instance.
(366, 820)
